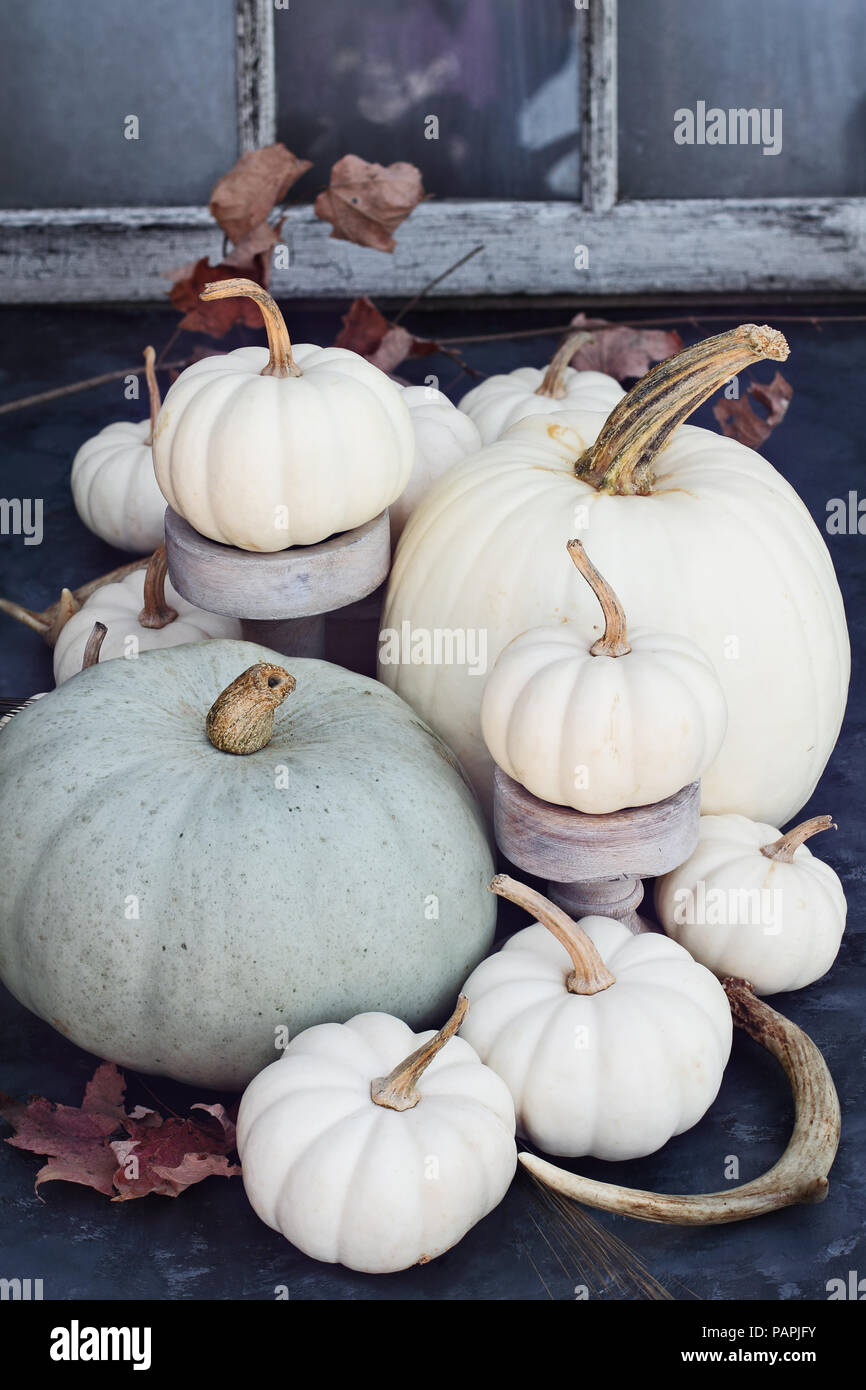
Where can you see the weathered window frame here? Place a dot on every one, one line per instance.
(671, 246)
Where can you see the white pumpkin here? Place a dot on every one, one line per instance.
(502, 400)
(114, 487)
(364, 1155)
(266, 449)
(756, 905)
(625, 720)
(716, 546)
(609, 1043)
(443, 436)
(141, 612)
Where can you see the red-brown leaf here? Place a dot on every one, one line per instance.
(215, 316)
(738, 420)
(243, 197)
(624, 353)
(365, 203)
(366, 331)
(93, 1144)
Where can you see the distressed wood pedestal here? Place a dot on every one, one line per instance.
(594, 864)
(283, 597)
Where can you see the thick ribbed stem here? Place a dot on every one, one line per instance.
(621, 459)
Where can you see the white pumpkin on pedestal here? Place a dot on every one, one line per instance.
(755, 904)
(374, 1147)
(114, 487)
(500, 401)
(269, 448)
(141, 612)
(624, 720)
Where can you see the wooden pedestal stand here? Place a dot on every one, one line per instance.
(281, 597)
(594, 864)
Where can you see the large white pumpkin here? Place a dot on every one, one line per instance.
(698, 536)
(443, 436)
(754, 904)
(114, 487)
(609, 1043)
(500, 401)
(374, 1147)
(268, 448)
(168, 905)
(142, 612)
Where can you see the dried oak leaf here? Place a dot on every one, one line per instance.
(739, 421)
(365, 203)
(216, 316)
(92, 1145)
(366, 331)
(624, 353)
(241, 200)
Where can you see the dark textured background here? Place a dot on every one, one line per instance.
(208, 1243)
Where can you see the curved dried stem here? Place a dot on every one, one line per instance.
(783, 849)
(156, 613)
(553, 383)
(152, 389)
(613, 641)
(398, 1090)
(800, 1174)
(94, 646)
(590, 974)
(281, 363)
(49, 622)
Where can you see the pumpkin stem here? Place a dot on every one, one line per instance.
(282, 362)
(398, 1090)
(241, 719)
(590, 974)
(553, 384)
(613, 641)
(52, 619)
(26, 616)
(621, 459)
(94, 645)
(156, 612)
(153, 389)
(782, 850)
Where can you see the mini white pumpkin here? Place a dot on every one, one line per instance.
(114, 487)
(754, 904)
(609, 1043)
(266, 449)
(502, 400)
(443, 436)
(360, 1158)
(143, 606)
(619, 721)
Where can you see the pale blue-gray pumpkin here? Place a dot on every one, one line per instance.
(169, 906)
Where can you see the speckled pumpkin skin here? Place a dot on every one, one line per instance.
(259, 904)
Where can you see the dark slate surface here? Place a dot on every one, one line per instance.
(208, 1243)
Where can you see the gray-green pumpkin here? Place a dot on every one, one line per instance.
(169, 906)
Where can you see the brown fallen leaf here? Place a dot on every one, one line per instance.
(365, 203)
(624, 353)
(216, 316)
(241, 200)
(366, 331)
(122, 1154)
(738, 420)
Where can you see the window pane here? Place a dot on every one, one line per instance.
(499, 76)
(72, 71)
(803, 57)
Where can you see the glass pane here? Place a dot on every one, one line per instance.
(794, 57)
(499, 76)
(72, 71)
